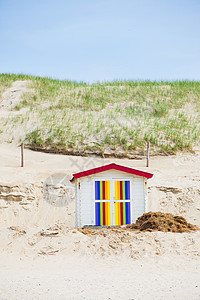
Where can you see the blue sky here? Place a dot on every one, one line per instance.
(97, 40)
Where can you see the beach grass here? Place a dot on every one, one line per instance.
(110, 118)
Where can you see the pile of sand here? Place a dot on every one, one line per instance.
(166, 222)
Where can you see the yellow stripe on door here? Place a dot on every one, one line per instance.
(107, 190)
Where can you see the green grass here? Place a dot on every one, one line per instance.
(118, 117)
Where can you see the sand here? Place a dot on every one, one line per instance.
(44, 257)
(71, 277)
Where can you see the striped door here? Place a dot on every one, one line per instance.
(112, 208)
(122, 202)
(102, 203)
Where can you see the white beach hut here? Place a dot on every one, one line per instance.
(110, 195)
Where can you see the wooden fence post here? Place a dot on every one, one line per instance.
(148, 144)
(22, 155)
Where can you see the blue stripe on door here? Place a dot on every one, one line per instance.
(97, 214)
(127, 187)
(97, 190)
(128, 213)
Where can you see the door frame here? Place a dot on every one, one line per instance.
(112, 196)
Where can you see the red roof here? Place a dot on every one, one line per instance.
(112, 167)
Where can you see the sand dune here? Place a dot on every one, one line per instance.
(44, 257)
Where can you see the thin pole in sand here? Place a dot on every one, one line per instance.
(22, 155)
(148, 145)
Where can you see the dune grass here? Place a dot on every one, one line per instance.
(111, 118)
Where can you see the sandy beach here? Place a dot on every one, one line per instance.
(44, 257)
(75, 277)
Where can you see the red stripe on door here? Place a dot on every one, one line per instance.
(104, 190)
(121, 191)
(121, 210)
(104, 213)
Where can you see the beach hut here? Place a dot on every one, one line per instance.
(110, 195)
